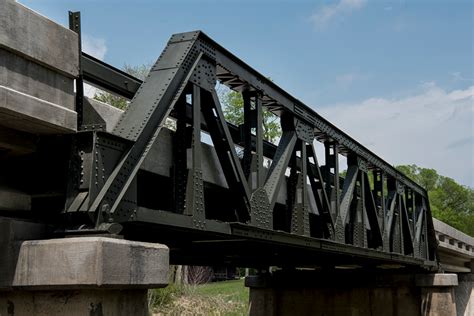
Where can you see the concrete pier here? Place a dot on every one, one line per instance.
(76, 276)
(342, 292)
(74, 302)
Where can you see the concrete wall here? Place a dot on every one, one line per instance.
(39, 60)
(36, 37)
(75, 303)
(12, 234)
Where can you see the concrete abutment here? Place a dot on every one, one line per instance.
(342, 292)
(74, 302)
(76, 276)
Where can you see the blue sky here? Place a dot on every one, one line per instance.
(405, 68)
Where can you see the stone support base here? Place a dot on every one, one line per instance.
(74, 302)
(78, 276)
(352, 293)
(437, 294)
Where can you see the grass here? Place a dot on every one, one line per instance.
(234, 290)
(227, 298)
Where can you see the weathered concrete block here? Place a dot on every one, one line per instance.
(99, 114)
(39, 60)
(12, 233)
(74, 303)
(436, 279)
(36, 37)
(91, 262)
(26, 76)
(438, 301)
(75, 276)
(26, 113)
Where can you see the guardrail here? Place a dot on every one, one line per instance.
(455, 248)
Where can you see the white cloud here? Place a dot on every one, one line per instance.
(95, 47)
(458, 76)
(328, 12)
(433, 128)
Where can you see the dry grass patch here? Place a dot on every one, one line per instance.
(202, 305)
(220, 298)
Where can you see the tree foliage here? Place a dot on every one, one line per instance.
(450, 202)
(234, 113)
(112, 99)
(139, 72)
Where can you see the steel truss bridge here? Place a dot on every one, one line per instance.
(272, 205)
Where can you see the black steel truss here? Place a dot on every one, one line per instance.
(374, 207)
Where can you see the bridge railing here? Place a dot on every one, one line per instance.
(455, 248)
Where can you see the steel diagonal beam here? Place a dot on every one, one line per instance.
(406, 232)
(419, 224)
(315, 190)
(322, 201)
(431, 242)
(279, 165)
(392, 202)
(165, 78)
(371, 212)
(155, 99)
(235, 160)
(299, 200)
(225, 150)
(347, 192)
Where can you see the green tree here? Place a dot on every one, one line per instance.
(234, 113)
(427, 178)
(112, 99)
(450, 202)
(140, 72)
